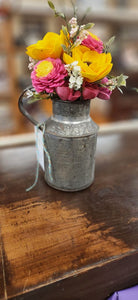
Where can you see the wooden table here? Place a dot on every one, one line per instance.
(58, 245)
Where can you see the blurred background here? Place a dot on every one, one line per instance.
(24, 22)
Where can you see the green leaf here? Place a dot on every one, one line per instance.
(120, 90)
(58, 14)
(135, 89)
(124, 80)
(109, 44)
(30, 101)
(64, 29)
(38, 98)
(89, 25)
(64, 48)
(51, 5)
(121, 80)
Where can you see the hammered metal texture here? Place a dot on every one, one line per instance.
(70, 139)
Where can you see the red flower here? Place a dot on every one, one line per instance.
(65, 93)
(90, 91)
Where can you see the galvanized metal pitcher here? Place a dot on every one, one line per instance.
(70, 139)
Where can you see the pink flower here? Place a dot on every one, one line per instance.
(104, 80)
(90, 91)
(104, 93)
(48, 74)
(65, 93)
(92, 43)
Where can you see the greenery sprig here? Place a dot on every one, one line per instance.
(66, 29)
(108, 44)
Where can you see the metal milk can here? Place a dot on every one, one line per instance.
(70, 138)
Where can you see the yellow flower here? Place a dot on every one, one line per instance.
(94, 65)
(49, 46)
(44, 68)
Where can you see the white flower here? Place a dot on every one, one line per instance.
(79, 81)
(74, 73)
(83, 35)
(73, 27)
(71, 66)
(76, 70)
(30, 66)
(32, 63)
(73, 21)
(73, 31)
(72, 80)
(82, 27)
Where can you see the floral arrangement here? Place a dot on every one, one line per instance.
(74, 64)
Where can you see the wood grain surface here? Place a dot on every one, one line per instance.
(58, 245)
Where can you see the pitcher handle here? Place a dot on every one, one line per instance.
(22, 108)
